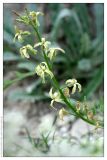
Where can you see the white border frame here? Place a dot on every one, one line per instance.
(1, 72)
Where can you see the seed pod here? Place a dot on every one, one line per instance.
(66, 92)
(90, 115)
(97, 125)
(78, 106)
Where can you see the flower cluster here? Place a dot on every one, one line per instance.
(84, 108)
(56, 96)
(42, 70)
(23, 19)
(20, 34)
(32, 16)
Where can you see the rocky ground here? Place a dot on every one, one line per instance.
(71, 137)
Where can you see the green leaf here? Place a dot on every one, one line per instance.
(98, 60)
(55, 9)
(24, 95)
(85, 44)
(8, 21)
(97, 45)
(8, 37)
(64, 13)
(32, 87)
(94, 83)
(84, 65)
(8, 83)
(9, 56)
(61, 59)
(30, 66)
(32, 6)
(31, 140)
(98, 10)
(82, 12)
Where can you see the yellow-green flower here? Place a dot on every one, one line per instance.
(19, 34)
(34, 16)
(42, 70)
(56, 97)
(73, 83)
(53, 51)
(24, 51)
(62, 113)
(45, 44)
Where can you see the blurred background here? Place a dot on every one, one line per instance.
(30, 125)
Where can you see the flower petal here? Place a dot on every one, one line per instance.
(50, 93)
(79, 87)
(49, 72)
(53, 51)
(74, 89)
(70, 82)
(52, 104)
(38, 44)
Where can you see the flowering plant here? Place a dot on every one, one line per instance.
(57, 93)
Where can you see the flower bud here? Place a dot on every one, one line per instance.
(78, 106)
(90, 115)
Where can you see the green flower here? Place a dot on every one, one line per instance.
(42, 70)
(24, 51)
(45, 44)
(34, 17)
(73, 83)
(19, 34)
(56, 97)
(53, 51)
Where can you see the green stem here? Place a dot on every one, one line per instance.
(55, 82)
